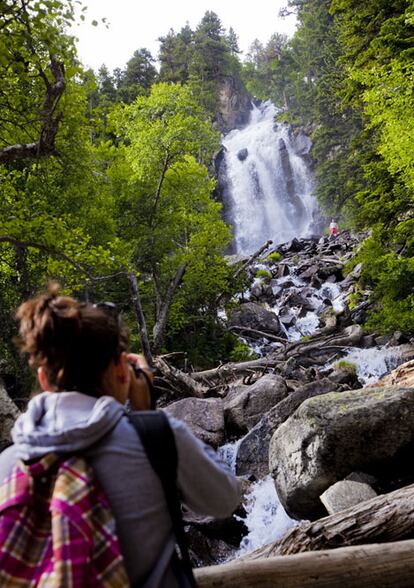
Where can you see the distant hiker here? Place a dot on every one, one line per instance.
(78, 462)
(333, 228)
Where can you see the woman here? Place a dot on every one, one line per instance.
(84, 370)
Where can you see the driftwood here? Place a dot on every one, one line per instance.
(181, 383)
(388, 565)
(249, 331)
(346, 338)
(388, 517)
(231, 371)
(321, 342)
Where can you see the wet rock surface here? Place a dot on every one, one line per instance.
(256, 317)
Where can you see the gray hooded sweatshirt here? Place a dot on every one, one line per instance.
(67, 422)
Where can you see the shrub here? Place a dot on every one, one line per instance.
(242, 352)
(347, 366)
(274, 257)
(262, 273)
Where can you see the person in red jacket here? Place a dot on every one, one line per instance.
(333, 228)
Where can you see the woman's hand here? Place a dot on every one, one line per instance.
(139, 392)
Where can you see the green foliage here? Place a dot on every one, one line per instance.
(200, 58)
(391, 275)
(347, 366)
(138, 76)
(274, 257)
(31, 31)
(165, 209)
(262, 273)
(242, 352)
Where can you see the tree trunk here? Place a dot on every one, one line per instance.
(139, 313)
(161, 323)
(373, 566)
(388, 517)
(45, 145)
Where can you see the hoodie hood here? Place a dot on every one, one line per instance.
(64, 422)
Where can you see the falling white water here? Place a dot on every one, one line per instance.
(266, 518)
(228, 454)
(270, 191)
(375, 362)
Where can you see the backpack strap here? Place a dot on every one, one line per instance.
(158, 440)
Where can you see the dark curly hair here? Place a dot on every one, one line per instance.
(73, 341)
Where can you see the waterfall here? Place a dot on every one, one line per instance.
(269, 187)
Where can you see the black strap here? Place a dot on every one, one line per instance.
(158, 440)
(141, 372)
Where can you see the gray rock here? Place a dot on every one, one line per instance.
(345, 375)
(302, 144)
(8, 414)
(345, 494)
(253, 454)
(283, 270)
(255, 316)
(245, 406)
(331, 435)
(234, 105)
(362, 477)
(286, 317)
(205, 417)
(243, 153)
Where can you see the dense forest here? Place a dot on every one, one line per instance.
(107, 182)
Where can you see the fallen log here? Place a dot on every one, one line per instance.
(231, 371)
(388, 517)
(380, 565)
(254, 332)
(181, 383)
(349, 337)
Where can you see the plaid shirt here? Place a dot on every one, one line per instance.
(57, 529)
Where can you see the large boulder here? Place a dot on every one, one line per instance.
(246, 405)
(205, 417)
(329, 436)
(257, 317)
(253, 453)
(8, 414)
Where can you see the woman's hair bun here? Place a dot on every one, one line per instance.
(73, 341)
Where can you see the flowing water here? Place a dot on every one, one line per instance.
(269, 195)
(266, 518)
(375, 362)
(269, 191)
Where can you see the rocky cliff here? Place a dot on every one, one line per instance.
(235, 105)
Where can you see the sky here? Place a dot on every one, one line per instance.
(133, 24)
